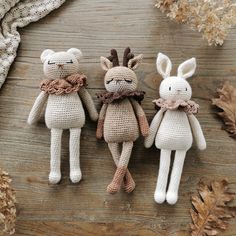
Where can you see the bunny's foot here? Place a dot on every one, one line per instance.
(171, 197)
(54, 177)
(75, 176)
(159, 196)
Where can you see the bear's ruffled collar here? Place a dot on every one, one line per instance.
(189, 107)
(71, 84)
(110, 97)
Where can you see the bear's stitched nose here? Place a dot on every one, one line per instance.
(60, 65)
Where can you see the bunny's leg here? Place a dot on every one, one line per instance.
(55, 163)
(116, 183)
(160, 192)
(129, 183)
(75, 172)
(172, 194)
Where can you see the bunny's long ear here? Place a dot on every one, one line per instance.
(164, 65)
(187, 68)
(106, 64)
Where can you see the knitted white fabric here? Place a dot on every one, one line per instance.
(18, 13)
(173, 129)
(63, 111)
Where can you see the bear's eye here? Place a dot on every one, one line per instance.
(128, 81)
(69, 62)
(51, 63)
(186, 89)
(109, 81)
(169, 88)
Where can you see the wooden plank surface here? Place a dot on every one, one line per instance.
(95, 27)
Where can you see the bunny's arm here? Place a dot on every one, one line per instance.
(197, 132)
(37, 108)
(142, 119)
(88, 102)
(102, 115)
(153, 128)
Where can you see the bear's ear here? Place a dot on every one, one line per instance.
(45, 54)
(187, 68)
(164, 65)
(76, 52)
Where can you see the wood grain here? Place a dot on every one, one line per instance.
(95, 27)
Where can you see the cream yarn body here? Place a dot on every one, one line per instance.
(173, 130)
(63, 111)
(179, 135)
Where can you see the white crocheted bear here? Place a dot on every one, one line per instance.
(62, 90)
(174, 125)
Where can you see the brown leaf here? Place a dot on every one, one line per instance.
(227, 102)
(210, 212)
(7, 204)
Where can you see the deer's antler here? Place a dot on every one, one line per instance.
(127, 56)
(114, 58)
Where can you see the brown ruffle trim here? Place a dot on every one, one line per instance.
(189, 107)
(110, 97)
(71, 84)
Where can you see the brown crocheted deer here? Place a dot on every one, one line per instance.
(121, 115)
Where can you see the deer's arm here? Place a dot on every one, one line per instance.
(197, 132)
(154, 128)
(37, 108)
(89, 104)
(142, 119)
(102, 114)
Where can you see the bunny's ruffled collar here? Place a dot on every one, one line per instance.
(110, 97)
(71, 84)
(189, 107)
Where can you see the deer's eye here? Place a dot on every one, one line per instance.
(51, 63)
(109, 81)
(69, 62)
(169, 88)
(128, 81)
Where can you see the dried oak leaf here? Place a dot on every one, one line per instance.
(7, 204)
(227, 102)
(210, 211)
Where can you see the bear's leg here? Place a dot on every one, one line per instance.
(75, 172)
(160, 192)
(129, 183)
(172, 194)
(55, 162)
(116, 183)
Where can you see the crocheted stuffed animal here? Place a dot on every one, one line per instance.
(121, 115)
(63, 89)
(174, 125)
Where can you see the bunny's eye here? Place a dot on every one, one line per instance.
(186, 89)
(169, 88)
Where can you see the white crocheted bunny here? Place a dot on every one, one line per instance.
(174, 125)
(62, 90)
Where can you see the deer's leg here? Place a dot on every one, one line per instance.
(160, 192)
(172, 194)
(116, 183)
(55, 162)
(129, 183)
(75, 172)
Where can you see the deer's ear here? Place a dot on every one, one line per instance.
(105, 63)
(135, 62)
(187, 68)
(45, 54)
(164, 65)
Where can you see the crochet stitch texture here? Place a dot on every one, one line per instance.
(14, 14)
